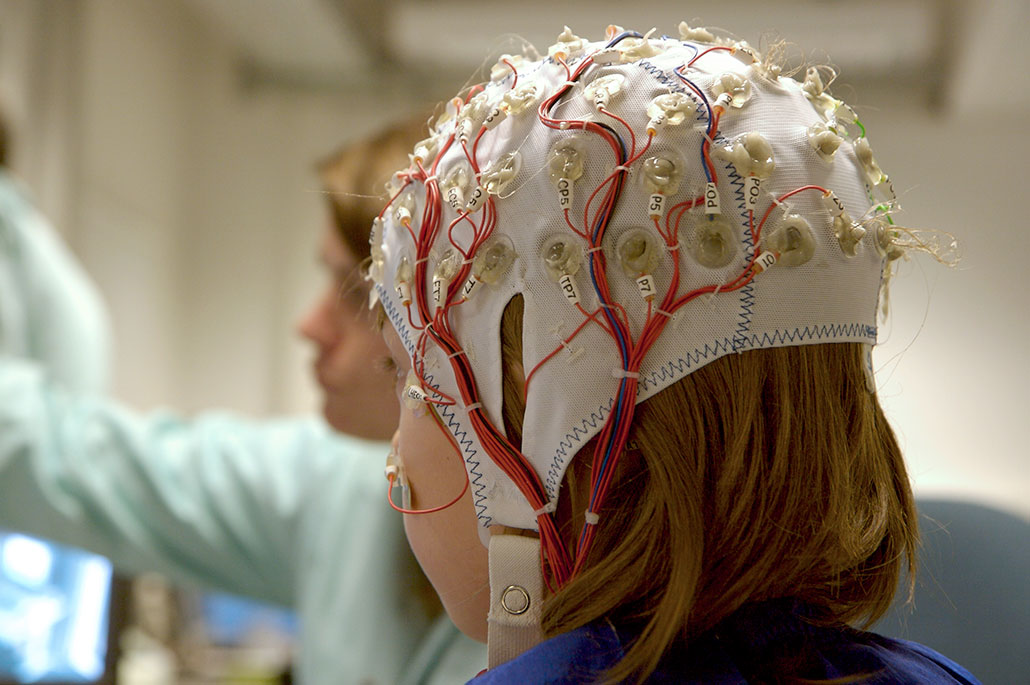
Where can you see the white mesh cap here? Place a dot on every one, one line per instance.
(791, 167)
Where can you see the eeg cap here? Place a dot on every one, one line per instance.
(658, 203)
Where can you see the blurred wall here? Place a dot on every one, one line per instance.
(953, 359)
(189, 196)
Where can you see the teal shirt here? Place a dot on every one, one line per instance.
(50, 311)
(283, 511)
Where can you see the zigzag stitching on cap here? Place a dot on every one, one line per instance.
(747, 303)
(747, 293)
(841, 330)
(449, 414)
(461, 436)
(662, 77)
(399, 324)
(737, 181)
(675, 86)
(576, 435)
(670, 369)
(674, 369)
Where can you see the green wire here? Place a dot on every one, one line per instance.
(859, 123)
(884, 208)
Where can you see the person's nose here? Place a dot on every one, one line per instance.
(317, 324)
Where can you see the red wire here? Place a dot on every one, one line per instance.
(610, 182)
(561, 60)
(783, 197)
(457, 450)
(568, 222)
(382, 212)
(588, 318)
(682, 207)
(705, 52)
(598, 320)
(513, 71)
(647, 146)
(462, 216)
(632, 134)
(410, 321)
(706, 147)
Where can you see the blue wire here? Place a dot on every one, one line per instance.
(622, 36)
(696, 49)
(619, 401)
(708, 107)
(601, 221)
(620, 397)
(611, 318)
(618, 138)
(607, 312)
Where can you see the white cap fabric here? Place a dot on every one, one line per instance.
(824, 288)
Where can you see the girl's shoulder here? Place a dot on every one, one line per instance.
(763, 646)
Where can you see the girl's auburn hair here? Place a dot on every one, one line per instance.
(767, 474)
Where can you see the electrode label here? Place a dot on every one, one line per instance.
(645, 286)
(469, 287)
(568, 289)
(454, 198)
(656, 205)
(495, 117)
(476, 201)
(712, 199)
(438, 288)
(765, 261)
(752, 190)
(404, 292)
(564, 193)
(833, 204)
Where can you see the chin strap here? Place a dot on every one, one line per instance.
(516, 597)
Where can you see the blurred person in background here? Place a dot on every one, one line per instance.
(284, 511)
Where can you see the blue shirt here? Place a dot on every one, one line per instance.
(734, 653)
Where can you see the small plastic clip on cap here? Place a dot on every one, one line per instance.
(548, 508)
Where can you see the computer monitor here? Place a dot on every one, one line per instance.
(53, 612)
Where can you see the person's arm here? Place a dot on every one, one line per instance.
(50, 310)
(283, 511)
(218, 501)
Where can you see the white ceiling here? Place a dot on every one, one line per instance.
(283, 35)
(326, 42)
